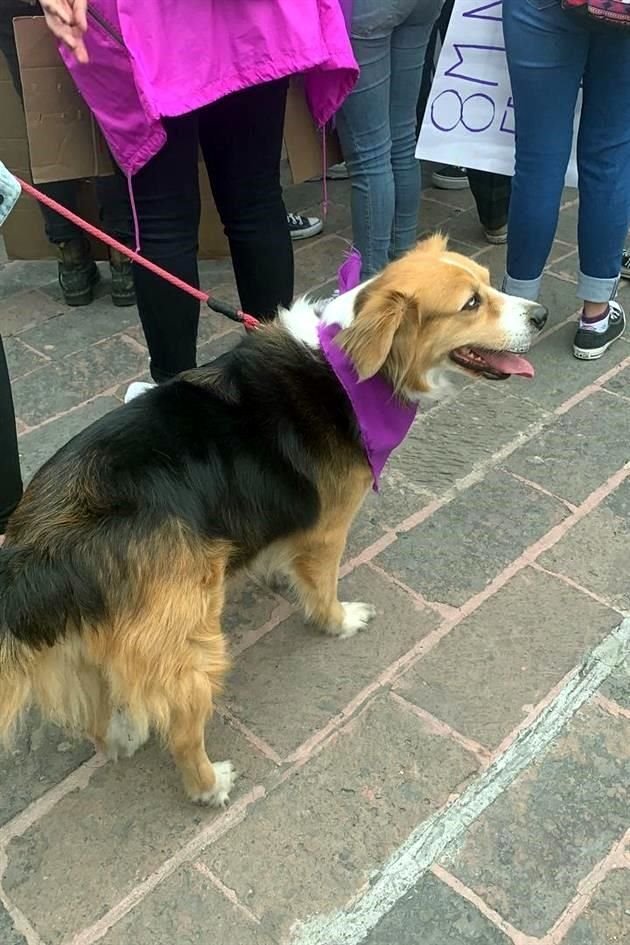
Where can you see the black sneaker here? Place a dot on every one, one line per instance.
(78, 273)
(590, 345)
(123, 291)
(450, 178)
(625, 264)
(302, 228)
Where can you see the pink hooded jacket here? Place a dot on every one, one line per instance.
(151, 59)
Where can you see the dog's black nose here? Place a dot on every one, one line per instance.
(538, 317)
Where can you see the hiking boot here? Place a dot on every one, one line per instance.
(78, 273)
(123, 291)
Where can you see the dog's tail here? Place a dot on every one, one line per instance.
(42, 597)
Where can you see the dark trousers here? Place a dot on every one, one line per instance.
(10, 477)
(241, 142)
(491, 191)
(111, 192)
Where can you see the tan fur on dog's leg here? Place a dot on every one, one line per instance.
(204, 782)
(316, 575)
(316, 556)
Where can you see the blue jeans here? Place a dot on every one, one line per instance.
(377, 125)
(549, 54)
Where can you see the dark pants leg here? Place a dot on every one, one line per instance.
(10, 477)
(241, 140)
(492, 196)
(166, 193)
(111, 191)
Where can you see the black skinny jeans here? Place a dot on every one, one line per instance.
(241, 142)
(10, 477)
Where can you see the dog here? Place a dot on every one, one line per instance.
(113, 574)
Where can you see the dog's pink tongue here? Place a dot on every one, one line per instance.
(507, 363)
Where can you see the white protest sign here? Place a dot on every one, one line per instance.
(469, 119)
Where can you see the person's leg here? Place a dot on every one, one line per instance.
(408, 50)
(77, 272)
(603, 155)
(115, 218)
(492, 197)
(546, 55)
(364, 130)
(241, 140)
(10, 476)
(166, 195)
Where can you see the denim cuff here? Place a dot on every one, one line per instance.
(596, 290)
(523, 288)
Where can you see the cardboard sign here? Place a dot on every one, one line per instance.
(64, 140)
(55, 138)
(469, 119)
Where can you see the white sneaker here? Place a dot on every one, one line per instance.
(136, 389)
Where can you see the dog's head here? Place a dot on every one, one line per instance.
(434, 310)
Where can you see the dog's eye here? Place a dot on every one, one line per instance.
(473, 302)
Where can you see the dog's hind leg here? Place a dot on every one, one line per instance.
(125, 733)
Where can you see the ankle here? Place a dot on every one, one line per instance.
(594, 310)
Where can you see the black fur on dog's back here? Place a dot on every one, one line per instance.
(229, 451)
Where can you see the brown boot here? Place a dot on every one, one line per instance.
(78, 273)
(123, 291)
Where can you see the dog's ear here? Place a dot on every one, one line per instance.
(436, 244)
(368, 341)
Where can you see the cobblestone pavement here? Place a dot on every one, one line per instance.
(460, 774)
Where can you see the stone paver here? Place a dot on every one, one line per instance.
(606, 921)
(186, 910)
(447, 443)
(39, 445)
(440, 558)
(343, 748)
(40, 756)
(595, 552)
(580, 451)
(292, 681)
(486, 674)
(432, 914)
(8, 933)
(617, 687)
(130, 817)
(555, 823)
(349, 808)
(61, 385)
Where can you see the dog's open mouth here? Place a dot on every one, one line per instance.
(495, 365)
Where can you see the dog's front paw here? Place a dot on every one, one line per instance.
(219, 795)
(356, 616)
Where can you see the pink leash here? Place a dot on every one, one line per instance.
(222, 308)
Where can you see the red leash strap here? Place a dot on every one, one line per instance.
(222, 308)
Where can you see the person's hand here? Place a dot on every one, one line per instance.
(67, 20)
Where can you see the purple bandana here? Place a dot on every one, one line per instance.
(384, 421)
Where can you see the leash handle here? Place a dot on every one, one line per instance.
(222, 308)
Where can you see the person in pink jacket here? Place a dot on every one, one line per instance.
(165, 79)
